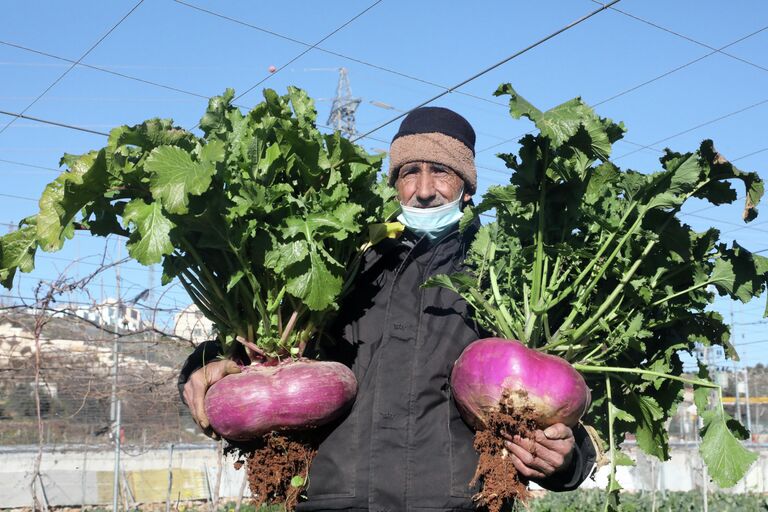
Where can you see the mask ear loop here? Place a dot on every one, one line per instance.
(461, 193)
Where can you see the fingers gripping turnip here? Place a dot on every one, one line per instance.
(504, 389)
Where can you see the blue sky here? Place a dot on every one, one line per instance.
(674, 72)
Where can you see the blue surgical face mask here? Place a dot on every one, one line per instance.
(431, 222)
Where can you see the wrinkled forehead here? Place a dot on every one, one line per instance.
(423, 164)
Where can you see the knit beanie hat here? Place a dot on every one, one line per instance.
(437, 135)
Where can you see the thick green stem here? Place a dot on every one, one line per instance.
(666, 276)
(612, 487)
(614, 294)
(585, 294)
(198, 300)
(604, 348)
(247, 298)
(538, 281)
(194, 284)
(213, 285)
(478, 303)
(595, 259)
(680, 293)
(289, 327)
(605, 323)
(207, 275)
(617, 369)
(553, 277)
(354, 266)
(588, 357)
(257, 300)
(491, 249)
(497, 298)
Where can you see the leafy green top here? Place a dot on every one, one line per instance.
(590, 262)
(262, 219)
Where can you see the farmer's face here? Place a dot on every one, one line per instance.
(427, 185)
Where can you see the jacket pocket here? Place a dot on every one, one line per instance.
(462, 454)
(333, 470)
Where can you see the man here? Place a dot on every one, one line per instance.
(404, 446)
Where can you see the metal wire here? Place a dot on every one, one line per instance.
(65, 73)
(53, 123)
(104, 70)
(493, 66)
(336, 54)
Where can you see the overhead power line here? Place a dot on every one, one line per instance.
(750, 154)
(738, 226)
(655, 79)
(21, 115)
(335, 54)
(692, 40)
(751, 323)
(678, 68)
(24, 164)
(427, 82)
(693, 128)
(104, 70)
(297, 57)
(70, 68)
(756, 342)
(13, 196)
(494, 66)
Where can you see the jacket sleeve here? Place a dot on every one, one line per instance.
(203, 353)
(582, 464)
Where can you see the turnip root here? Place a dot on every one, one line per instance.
(502, 387)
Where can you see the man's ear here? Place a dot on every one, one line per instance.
(467, 197)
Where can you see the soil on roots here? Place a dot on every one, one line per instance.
(500, 482)
(273, 461)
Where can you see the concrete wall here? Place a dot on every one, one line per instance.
(75, 476)
(684, 471)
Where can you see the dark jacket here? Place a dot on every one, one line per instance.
(403, 446)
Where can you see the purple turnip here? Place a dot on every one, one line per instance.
(493, 373)
(503, 388)
(291, 395)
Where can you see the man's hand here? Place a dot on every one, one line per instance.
(550, 451)
(198, 384)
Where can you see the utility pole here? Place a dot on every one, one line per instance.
(736, 373)
(746, 398)
(736, 376)
(704, 473)
(151, 284)
(115, 402)
(342, 116)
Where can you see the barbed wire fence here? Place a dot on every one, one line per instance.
(82, 386)
(79, 382)
(91, 385)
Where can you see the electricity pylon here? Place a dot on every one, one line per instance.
(342, 116)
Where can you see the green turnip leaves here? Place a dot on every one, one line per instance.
(262, 219)
(593, 263)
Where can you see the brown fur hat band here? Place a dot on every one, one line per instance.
(438, 135)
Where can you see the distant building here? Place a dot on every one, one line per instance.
(191, 324)
(111, 314)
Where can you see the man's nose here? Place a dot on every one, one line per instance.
(425, 187)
